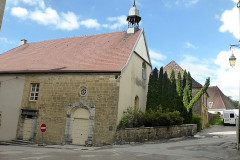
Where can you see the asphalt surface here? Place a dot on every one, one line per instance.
(215, 143)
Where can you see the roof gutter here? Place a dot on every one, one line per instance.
(56, 71)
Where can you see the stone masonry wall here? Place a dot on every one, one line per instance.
(57, 91)
(154, 133)
(197, 107)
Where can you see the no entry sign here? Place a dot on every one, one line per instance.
(43, 127)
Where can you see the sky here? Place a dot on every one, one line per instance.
(195, 33)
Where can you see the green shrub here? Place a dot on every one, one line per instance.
(216, 121)
(133, 119)
(175, 118)
(197, 119)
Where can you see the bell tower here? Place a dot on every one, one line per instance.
(133, 19)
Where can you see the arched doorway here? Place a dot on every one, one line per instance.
(80, 126)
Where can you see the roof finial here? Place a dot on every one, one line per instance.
(134, 4)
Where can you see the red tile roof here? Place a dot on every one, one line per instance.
(174, 66)
(220, 101)
(108, 52)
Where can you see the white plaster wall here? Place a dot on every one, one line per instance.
(132, 84)
(141, 48)
(2, 7)
(11, 91)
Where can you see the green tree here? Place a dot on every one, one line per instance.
(153, 90)
(160, 85)
(173, 95)
(165, 92)
(199, 94)
(179, 84)
(184, 79)
(179, 91)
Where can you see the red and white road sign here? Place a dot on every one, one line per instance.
(43, 127)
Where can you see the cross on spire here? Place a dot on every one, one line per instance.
(134, 4)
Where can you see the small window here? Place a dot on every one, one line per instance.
(136, 103)
(144, 72)
(83, 92)
(34, 92)
(231, 115)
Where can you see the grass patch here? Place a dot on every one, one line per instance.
(216, 121)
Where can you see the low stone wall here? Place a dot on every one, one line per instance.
(154, 133)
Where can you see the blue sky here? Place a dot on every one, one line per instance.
(194, 33)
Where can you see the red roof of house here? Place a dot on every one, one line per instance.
(220, 101)
(108, 52)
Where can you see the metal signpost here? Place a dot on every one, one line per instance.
(43, 129)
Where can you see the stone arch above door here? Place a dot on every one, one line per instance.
(69, 121)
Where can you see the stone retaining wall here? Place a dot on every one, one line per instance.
(154, 133)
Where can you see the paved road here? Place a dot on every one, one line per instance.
(215, 143)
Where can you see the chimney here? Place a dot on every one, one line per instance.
(23, 41)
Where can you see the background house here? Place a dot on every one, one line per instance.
(217, 101)
(200, 107)
(78, 86)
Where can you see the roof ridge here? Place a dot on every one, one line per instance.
(103, 51)
(10, 50)
(174, 62)
(79, 36)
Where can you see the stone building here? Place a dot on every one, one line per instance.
(2, 7)
(218, 101)
(78, 86)
(200, 107)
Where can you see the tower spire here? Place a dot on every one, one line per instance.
(133, 19)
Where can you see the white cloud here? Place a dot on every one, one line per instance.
(46, 17)
(69, 21)
(191, 2)
(12, 2)
(156, 58)
(230, 20)
(228, 77)
(186, 3)
(200, 69)
(190, 45)
(219, 70)
(49, 16)
(90, 23)
(138, 4)
(118, 22)
(156, 64)
(19, 12)
(39, 3)
(64, 20)
(7, 41)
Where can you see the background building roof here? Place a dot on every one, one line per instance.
(100, 52)
(220, 101)
(174, 66)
